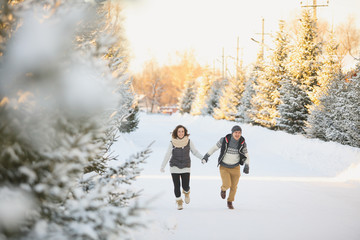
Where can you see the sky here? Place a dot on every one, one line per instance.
(157, 29)
(298, 188)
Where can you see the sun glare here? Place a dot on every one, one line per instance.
(157, 29)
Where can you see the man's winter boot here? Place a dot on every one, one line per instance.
(179, 202)
(187, 196)
(230, 206)
(223, 194)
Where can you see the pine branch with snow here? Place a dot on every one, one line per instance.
(100, 207)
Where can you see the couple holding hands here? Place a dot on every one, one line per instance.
(233, 153)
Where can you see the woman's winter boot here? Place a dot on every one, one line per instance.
(179, 202)
(187, 196)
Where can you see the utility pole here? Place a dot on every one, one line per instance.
(223, 62)
(239, 62)
(237, 59)
(214, 70)
(262, 36)
(314, 6)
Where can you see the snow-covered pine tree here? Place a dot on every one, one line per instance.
(105, 40)
(131, 120)
(319, 118)
(116, 54)
(55, 103)
(351, 113)
(292, 109)
(256, 73)
(303, 67)
(304, 64)
(188, 96)
(212, 100)
(231, 97)
(199, 106)
(267, 95)
(339, 108)
(245, 102)
(330, 69)
(334, 107)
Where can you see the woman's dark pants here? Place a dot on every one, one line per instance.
(185, 182)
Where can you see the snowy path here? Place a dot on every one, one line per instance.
(263, 210)
(291, 192)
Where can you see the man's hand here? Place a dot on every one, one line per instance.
(205, 158)
(246, 169)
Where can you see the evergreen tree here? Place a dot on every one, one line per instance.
(351, 112)
(320, 116)
(55, 101)
(212, 100)
(199, 106)
(339, 110)
(267, 95)
(117, 56)
(292, 109)
(303, 67)
(256, 79)
(245, 102)
(231, 97)
(126, 116)
(304, 64)
(131, 121)
(330, 69)
(188, 96)
(318, 121)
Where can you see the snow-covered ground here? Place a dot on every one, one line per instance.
(298, 188)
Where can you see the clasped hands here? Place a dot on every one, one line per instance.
(206, 158)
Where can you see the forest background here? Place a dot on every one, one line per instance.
(301, 82)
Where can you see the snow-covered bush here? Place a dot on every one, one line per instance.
(60, 109)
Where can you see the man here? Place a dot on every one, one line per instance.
(233, 154)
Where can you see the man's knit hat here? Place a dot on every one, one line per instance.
(236, 128)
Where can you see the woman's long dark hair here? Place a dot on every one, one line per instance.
(174, 133)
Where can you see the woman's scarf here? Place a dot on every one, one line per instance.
(180, 143)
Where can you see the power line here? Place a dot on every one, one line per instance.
(314, 6)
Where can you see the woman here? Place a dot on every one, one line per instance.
(179, 155)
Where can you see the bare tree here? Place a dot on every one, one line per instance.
(150, 82)
(169, 78)
(349, 37)
(156, 92)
